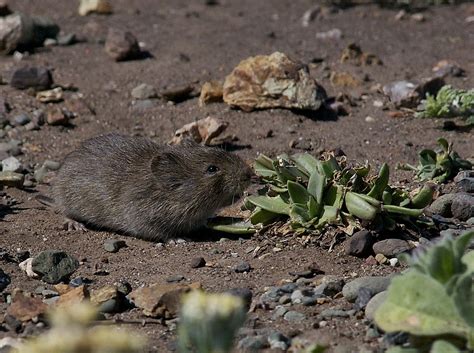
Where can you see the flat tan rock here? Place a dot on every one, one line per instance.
(211, 92)
(203, 130)
(272, 81)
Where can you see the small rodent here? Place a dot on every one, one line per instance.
(150, 191)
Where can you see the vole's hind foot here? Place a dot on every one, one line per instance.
(71, 225)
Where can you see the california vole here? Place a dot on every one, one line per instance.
(146, 190)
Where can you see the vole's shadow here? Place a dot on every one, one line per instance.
(209, 235)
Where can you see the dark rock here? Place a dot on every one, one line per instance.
(21, 119)
(121, 45)
(391, 247)
(288, 288)
(244, 293)
(54, 266)
(12, 323)
(465, 181)
(124, 287)
(462, 207)
(294, 316)
(178, 94)
(359, 244)
(242, 267)
(363, 297)
(56, 116)
(445, 68)
(253, 343)
(113, 245)
(442, 205)
(39, 78)
(375, 284)
(79, 281)
(4, 280)
(197, 262)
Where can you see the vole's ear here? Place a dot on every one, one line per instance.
(163, 162)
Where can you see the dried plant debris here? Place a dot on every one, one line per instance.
(449, 102)
(434, 299)
(440, 166)
(313, 193)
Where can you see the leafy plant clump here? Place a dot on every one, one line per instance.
(438, 166)
(449, 103)
(434, 299)
(313, 193)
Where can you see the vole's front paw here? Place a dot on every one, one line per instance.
(70, 225)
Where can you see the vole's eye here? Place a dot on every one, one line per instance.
(212, 169)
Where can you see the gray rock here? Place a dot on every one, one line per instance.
(51, 165)
(470, 221)
(54, 266)
(375, 284)
(11, 164)
(144, 91)
(466, 184)
(374, 304)
(278, 341)
(279, 311)
(309, 301)
(363, 297)
(271, 295)
(113, 245)
(243, 293)
(121, 45)
(297, 296)
(402, 93)
(359, 244)
(22, 31)
(288, 287)
(253, 343)
(39, 78)
(21, 119)
(284, 299)
(328, 313)
(442, 205)
(175, 279)
(48, 293)
(67, 39)
(294, 316)
(4, 280)
(242, 267)
(197, 262)
(462, 207)
(391, 247)
(330, 286)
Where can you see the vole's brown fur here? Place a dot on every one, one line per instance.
(146, 190)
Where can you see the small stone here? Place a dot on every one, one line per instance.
(329, 313)
(393, 262)
(465, 184)
(374, 304)
(27, 267)
(284, 299)
(175, 279)
(67, 39)
(77, 282)
(272, 81)
(87, 7)
(402, 93)
(160, 300)
(50, 42)
(4, 280)
(106, 299)
(11, 179)
(113, 245)
(211, 92)
(243, 293)
(25, 307)
(50, 96)
(445, 68)
(14, 325)
(144, 91)
(21, 119)
(354, 54)
(178, 94)
(205, 131)
(369, 119)
(288, 287)
(197, 262)
(391, 247)
(121, 45)
(375, 284)
(38, 78)
(73, 296)
(309, 301)
(294, 316)
(418, 17)
(143, 105)
(333, 34)
(442, 205)
(278, 341)
(11, 164)
(56, 116)
(344, 79)
(359, 244)
(252, 343)
(363, 297)
(54, 266)
(381, 258)
(310, 15)
(470, 221)
(51, 165)
(462, 207)
(279, 311)
(242, 267)
(47, 293)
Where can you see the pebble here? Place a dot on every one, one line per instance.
(51, 165)
(442, 205)
(54, 266)
(288, 287)
(334, 34)
(67, 39)
(328, 313)
(284, 299)
(21, 119)
(391, 247)
(142, 105)
(144, 91)
(26, 266)
(211, 92)
(113, 245)
(466, 184)
(359, 244)
(297, 296)
(4, 280)
(253, 343)
(294, 316)
(121, 45)
(56, 116)
(369, 119)
(95, 6)
(242, 267)
(197, 262)
(462, 207)
(11, 179)
(363, 297)
(39, 78)
(278, 341)
(381, 259)
(11, 164)
(375, 284)
(47, 293)
(374, 304)
(309, 301)
(175, 279)
(279, 311)
(393, 262)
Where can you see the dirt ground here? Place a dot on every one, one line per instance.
(192, 42)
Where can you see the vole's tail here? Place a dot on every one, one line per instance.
(45, 200)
